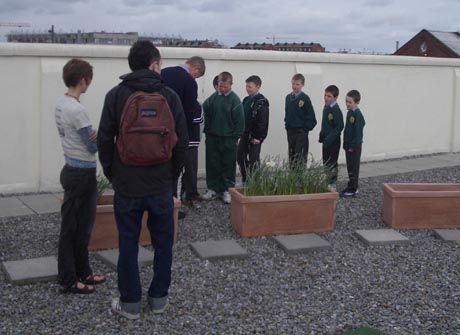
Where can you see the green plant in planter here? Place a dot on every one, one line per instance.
(281, 177)
(102, 185)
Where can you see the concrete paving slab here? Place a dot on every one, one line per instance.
(431, 162)
(31, 271)
(12, 206)
(453, 158)
(303, 242)
(381, 236)
(42, 203)
(110, 257)
(382, 169)
(450, 235)
(218, 249)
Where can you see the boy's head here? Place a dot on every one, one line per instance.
(144, 55)
(196, 66)
(297, 82)
(253, 84)
(77, 72)
(352, 100)
(330, 94)
(224, 82)
(215, 81)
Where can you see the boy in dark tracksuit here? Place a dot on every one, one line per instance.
(352, 141)
(256, 109)
(299, 119)
(331, 128)
(223, 126)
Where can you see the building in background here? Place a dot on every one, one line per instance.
(430, 43)
(182, 43)
(298, 47)
(75, 38)
(107, 38)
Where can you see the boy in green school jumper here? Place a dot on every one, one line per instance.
(331, 128)
(299, 119)
(352, 141)
(223, 126)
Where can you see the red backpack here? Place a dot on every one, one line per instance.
(147, 132)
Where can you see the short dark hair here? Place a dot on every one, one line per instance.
(354, 94)
(225, 77)
(75, 70)
(142, 54)
(299, 77)
(334, 90)
(254, 79)
(215, 81)
(198, 63)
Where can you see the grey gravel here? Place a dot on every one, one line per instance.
(398, 289)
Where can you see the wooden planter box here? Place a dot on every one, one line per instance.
(421, 206)
(280, 215)
(105, 234)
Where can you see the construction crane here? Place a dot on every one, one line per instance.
(14, 24)
(273, 38)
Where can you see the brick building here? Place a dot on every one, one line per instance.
(298, 47)
(430, 43)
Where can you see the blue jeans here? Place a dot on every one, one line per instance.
(128, 215)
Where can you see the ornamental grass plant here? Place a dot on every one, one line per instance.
(102, 185)
(275, 176)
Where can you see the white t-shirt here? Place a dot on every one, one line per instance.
(71, 116)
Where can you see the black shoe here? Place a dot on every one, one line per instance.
(181, 215)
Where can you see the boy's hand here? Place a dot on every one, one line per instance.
(255, 141)
(93, 136)
(350, 150)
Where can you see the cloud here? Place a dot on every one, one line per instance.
(357, 25)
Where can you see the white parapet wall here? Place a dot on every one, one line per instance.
(411, 104)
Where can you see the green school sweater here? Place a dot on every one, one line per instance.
(299, 112)
(223, 115)
(353, 134)
(331, 125)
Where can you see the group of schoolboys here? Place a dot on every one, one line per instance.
(234, 131)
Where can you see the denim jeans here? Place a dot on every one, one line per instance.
(128, 215)
(78, 212)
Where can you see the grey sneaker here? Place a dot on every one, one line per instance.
(128, 310)
(157, 305)
(226, 198)
(210, 194)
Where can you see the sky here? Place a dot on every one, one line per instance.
(369, 26)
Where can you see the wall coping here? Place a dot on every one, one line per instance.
(104, 51)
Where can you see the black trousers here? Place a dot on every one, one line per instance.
(330, 158)
(78, 212)
(248, 155)
(190, 176)
(353, 160)
(297, 144)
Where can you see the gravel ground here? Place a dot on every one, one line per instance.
(401, 289)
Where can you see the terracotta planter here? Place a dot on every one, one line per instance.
(105, 233)
(421, 206)
(279, 215)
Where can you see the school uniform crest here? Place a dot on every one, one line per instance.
(301, 103)
(352, 119)
(330, 116)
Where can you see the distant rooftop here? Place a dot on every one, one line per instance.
(450, 39)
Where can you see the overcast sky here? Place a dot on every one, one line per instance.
(357, 25)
